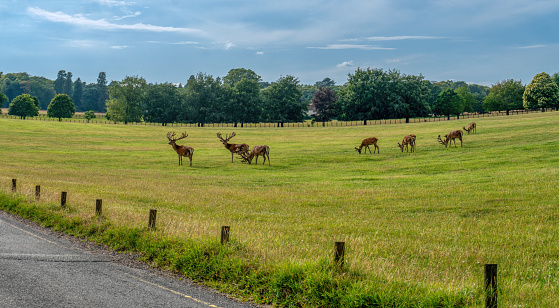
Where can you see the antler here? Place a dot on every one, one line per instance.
(184, 135)
(226, 138)
(440, 140)
(170, 136)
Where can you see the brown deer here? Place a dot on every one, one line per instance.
(181, 150)
(366, 143)
(232, 147)
(450, 137)
(408, 140)
(258, 150)
(471, 127)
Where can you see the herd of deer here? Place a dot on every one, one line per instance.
(409, 141)
(239, 149)
(263, 150)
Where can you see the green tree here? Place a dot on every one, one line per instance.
(282, 101)
(77, 94)
(125, 100)
(101, 92)
(468, 99)
(324, 101)
(3, 99)
(43, 89)
(59, 82)
(241, 96)
(542, 92)
(60, 107)
(89, 115)
(505, 95)
(201, 99)
(162, 103)
(448, 103)
(23, 106)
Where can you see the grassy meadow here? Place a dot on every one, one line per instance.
(427, 220)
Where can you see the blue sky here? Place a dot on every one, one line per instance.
(477, 41)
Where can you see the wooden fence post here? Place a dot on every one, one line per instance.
(490, 285)
(339, 255)
(224, 234)
(98, 207)
(37, 192)
(63, 196)
(14, 182)
(152, 217)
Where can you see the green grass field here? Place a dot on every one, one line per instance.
(428, 220)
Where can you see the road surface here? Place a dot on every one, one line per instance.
(40, 268)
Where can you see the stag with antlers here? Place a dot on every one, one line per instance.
(408, 140)
(471, 128)
(450, 137)
(366, 143)
(232, 147)
(258, 150)
(181, 150)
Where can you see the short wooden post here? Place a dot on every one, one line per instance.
(14, 181)
(152, 217)
(98, 207)
(37, 192)
(224, 234)
(490, 285)
(340, 254)
(63, 199)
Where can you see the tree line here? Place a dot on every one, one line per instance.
(242, 97)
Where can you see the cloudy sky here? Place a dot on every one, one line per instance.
(477, 41)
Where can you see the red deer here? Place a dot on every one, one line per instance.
(451, 136)
(366, 142)
(408, 140)
(232, 147)
(181, 150)
(471, 128)
(259, 150)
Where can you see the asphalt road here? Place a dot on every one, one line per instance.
(39, 268)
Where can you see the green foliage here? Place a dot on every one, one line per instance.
(468, 99)
(201, 99)
(162, 103)
(23, 106)
(3, 99)
(89, 115)
(505, 95)
(241, 96)
(542, 92)
(376, 94)
(448, 102)
(324, 101)
(126, 98)
(282, 101)
(60, 107)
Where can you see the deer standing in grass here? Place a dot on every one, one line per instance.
(366, 143)
(241, 149)
(451, 136)
(181, 150)
(408, 140)
(471, 127)
(258, 150)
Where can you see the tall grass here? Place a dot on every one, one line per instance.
(419, 224)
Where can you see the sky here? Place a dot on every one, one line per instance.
(476, 41)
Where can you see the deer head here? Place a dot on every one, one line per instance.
(172, 139)
(226, 140)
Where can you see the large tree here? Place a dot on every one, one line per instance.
(23, 106)
(60, 107)
(324, 101)
(126, 97)
(468, 99)
(241, 99)
(77, 94)
(282, 101)
(505, 95)
(448, 103)
(102, 92)
(201, 98)
(162, 103)
(542, 92)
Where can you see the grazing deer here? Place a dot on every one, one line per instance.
(451, 136)
(181, 150)
(258, 150)
(471, 127)
(408, 140)
(366, 143)
(232, 147)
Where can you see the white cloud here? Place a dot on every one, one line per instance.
(353, 46)
(229, 45)
(403, 37)
(80, 20)
(259, 52)
(120, 47)
(130, 15)
(532, 46)
(114, 3)
(345, 64)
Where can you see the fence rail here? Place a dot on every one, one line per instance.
(80, 119)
